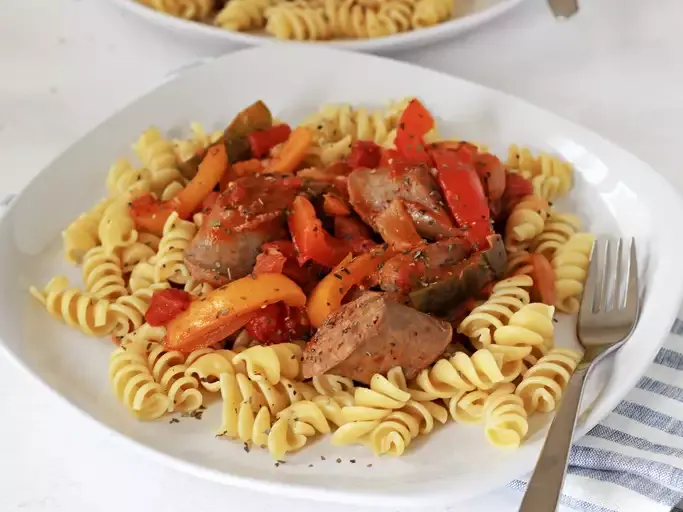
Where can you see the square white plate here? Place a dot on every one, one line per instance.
(615, 193)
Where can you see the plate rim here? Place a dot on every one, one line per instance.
(394, 42)
(412, 498)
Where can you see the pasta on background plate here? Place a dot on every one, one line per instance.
(356, 276)
(311, 20)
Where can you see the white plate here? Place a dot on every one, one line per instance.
(470, 14)
(615, 192)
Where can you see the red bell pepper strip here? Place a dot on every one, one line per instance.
(335, 206)
(262, 141)
(414, 124)
(364, 153)
(278, 323)
(464, 195)
(310, 238)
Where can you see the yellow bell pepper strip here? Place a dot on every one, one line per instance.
(311, 240)
(327, 296)
(293, 152)
(150, 214)
(226, 309)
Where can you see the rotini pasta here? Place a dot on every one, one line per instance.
(298, 21)
(103, 274)
(134, 385)
(77, 309)
(525, 223)
(116, 228)
(169, 371)
(557, 231)
(207, 365)
(157, 154)
(570, 263)
(169, 261)
(550, 176)
(531, 326)
(294, 426)
(83, 233)
(431, 12)
(243, 14)
(125, 181)
(505, 423)
(271, 363)
(544, 383)
(508, 297)
(187, 9)
(129, 310)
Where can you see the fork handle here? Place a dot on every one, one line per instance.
(545, 486)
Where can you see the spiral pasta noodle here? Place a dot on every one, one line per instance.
(557, 231)
(431, 12)
(294, 426)
(82, 234)
(169, 262)
(370, 406)
(298, 21)
(136, 253)
(157, 154)
(271, 363)
(117, 228)
(531, 326)
(187, 9)
(141, 277)
(187, 148)
(570, 263)
(169, 371)
(550, 176)
(103, 274)
(543, 384)
(508, 296)
(75, 308)
(207, 365)
(525, 223)
(350, 19)
(144, 335)
(333, 123)
(243, 14)
(123, 180)
(129, 310)
(134, 384)
(505, 420)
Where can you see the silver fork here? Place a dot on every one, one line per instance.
(607, 317)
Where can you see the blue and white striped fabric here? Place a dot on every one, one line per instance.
(633, 460)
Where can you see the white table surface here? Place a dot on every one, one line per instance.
(67, 64)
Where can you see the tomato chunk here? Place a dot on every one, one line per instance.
(262, 141)
(166, 305)
(278, 323)
(364, 153)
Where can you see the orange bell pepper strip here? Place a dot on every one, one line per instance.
(293, 151)
(311, 240)
(150, 214)
(247, 167)
(397, 227)
(327, 296)
(334, 206)
(226, 309)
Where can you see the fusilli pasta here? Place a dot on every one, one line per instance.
(570, 263)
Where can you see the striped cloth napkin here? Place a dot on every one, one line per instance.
(633, 460)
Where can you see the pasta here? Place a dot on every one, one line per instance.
(103, 274)
(243, 14)
(544, 383)
(505, 420)
(350, 19)
(526, 222)
(508, 297)
(83, 233)
(169, 261)
(298, 21)
(77, 309)
(184, 336)
(432, 12)
(125, 181)
(570, 263)
(557, 230)
(169, 370)
(134, 385)
(188, 9)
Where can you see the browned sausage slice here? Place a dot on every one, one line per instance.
(372, 335)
